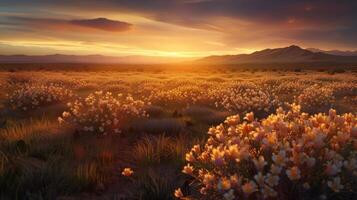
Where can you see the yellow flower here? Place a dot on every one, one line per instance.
(280, 158)
(335, 184)
(224, 184)
(249, 187)
(217, 157)
(178, 193)
(189, 157)
(293, 173)
(249, 116)
(127, 172)
(188, 169)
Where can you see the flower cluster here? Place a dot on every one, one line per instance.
(244, 96)
(316, 96)
(32, 96)
(103, 112)
(278, 157)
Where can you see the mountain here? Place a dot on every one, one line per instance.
(291, 54)
(59, 58)
(335, 52)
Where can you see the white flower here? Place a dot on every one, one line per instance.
(335, 184)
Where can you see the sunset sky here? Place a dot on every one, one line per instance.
(174, 28)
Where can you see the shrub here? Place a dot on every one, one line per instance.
(315, 98)
(103, 112)
(32, 96)
(245, 96)
(281, 157)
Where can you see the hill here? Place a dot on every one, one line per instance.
(291, 54)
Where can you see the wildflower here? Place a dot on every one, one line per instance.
(272, 180)
(335, 184)
(260, 163)
(65, 114)
(332, 113)
(259, 178)
(189, 157)
(280, 158)
(232, 120)
(60, 120)
(127, 172)
(217, 157)
(196, 149)
(208, 179)
(293, 173)
(333, 168)
(249, 187)
(229, 195)
(249, 116)
(350, 164)
(101, 129)
(178, 193)
(188, 169)
(224, 184)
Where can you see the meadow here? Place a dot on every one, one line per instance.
(210, 134)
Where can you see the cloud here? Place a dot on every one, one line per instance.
(101, 24)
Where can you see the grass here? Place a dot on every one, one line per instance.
(161, 149)
(40, 161)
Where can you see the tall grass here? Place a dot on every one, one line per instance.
(161, 149)
(38, 161)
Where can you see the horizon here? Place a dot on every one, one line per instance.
(312, 49)
(177, 29)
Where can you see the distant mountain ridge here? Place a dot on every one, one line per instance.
(335, 52)
(100, 59)
(291, 54)
(286, 55)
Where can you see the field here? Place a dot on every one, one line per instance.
(143, 134)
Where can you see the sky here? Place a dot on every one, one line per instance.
(174, 28)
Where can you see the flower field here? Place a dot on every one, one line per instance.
(189, 135)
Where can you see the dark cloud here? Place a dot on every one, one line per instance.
(102, 24)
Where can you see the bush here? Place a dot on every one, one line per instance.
(32, 96)
(288, 155)
(315, 98)
(103, 113)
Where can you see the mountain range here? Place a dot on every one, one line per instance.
(288, 55)
(291, 54)
(335, 52)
